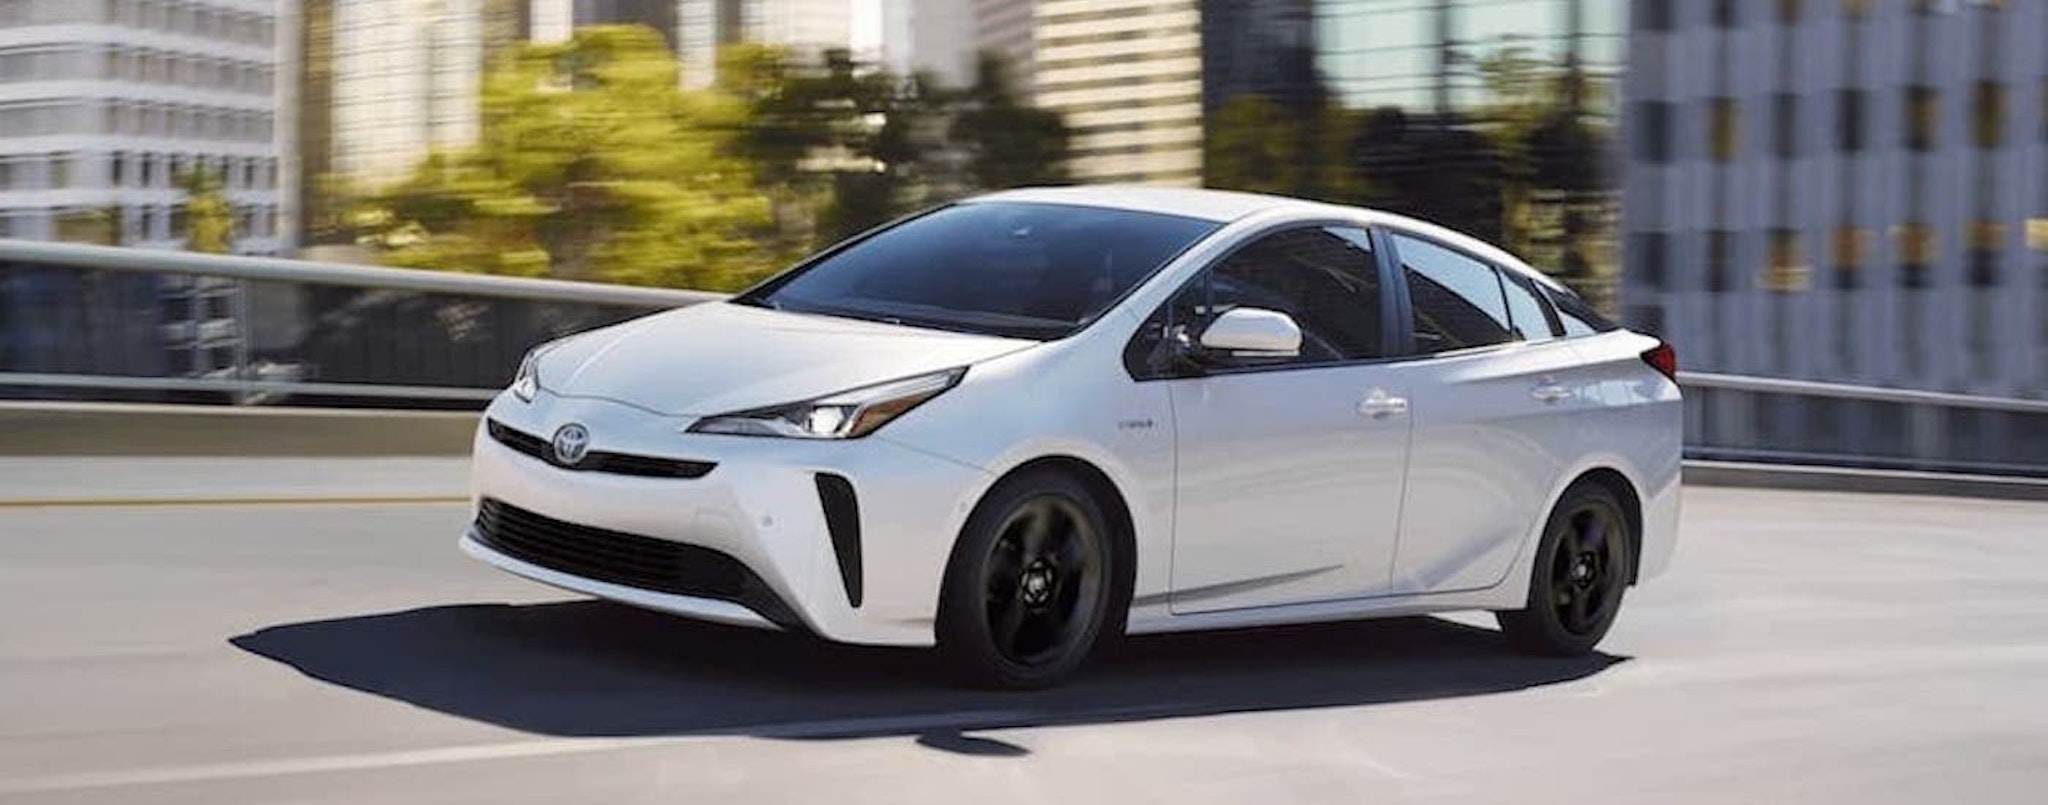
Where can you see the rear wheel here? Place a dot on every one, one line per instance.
(1579, 576)
(1027, 591)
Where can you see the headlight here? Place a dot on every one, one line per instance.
(526, 382)
(846, 415)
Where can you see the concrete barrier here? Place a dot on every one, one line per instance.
(122, 429)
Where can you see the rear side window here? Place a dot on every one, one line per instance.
(1458, 300)
(1525, 310)
(1578, 317)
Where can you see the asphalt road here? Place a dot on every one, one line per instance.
(1808, 647)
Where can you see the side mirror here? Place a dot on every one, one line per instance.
(1252, 333)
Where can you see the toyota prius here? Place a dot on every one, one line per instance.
(1019, 426)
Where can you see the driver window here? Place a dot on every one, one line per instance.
(1323, 277)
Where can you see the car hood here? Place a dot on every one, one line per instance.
(719, 357)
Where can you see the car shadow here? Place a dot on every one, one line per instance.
(587, 668)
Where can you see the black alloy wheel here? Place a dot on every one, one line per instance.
(1580, 576)
(1028, 586)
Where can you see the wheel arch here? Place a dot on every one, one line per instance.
(1115, 506)
(1614, 480)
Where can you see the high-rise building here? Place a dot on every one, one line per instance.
(104, 104)
(1127, 77)
(932, 36)
(407, 77)
(380, 85)
(1003, 28)
(554, 20)
(1843, 190)
(704, 26)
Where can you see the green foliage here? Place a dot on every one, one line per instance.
(1007, 143)
(592, 164)
(208, 218)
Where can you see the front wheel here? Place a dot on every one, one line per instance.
(1579, 576)
(1027, 590)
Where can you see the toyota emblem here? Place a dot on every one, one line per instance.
(572, 441)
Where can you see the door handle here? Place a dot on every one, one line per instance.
(1548, 390)
(1381, 405)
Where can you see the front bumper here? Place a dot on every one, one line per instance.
(760, 505)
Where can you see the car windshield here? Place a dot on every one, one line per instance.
(1023, 270)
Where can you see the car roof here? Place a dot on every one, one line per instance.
(1224, 206)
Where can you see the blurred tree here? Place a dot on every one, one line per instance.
(841, 144)
(1007, 143)
(208, 217)
(591, 164)
(1254, 144)
(1552, 158)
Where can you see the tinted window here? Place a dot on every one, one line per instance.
(1458, 301)
(1525, 310)
(1325, 279)
(1006, 268)
(1578, 317)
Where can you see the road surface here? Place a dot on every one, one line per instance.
(1807, 647)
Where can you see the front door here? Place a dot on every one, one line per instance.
(1289, 470)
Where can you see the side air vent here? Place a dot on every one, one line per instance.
(842, 520)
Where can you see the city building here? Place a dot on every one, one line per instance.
(1494, 117)
(380, 85)
(1003, 28)
(554, 20)
(104, 105)
(705, 26)
(930, 36)
(1127, 77)
(1843, 190)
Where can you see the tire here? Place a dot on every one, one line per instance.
(1580, 575)
(1028, 588)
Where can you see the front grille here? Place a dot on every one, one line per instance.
(630, 560)
(598, 461)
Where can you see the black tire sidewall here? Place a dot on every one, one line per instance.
(964, 642)
(1536, 626)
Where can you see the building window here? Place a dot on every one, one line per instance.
(1850, 247)
(1654, 15)
(1788, 270)
(1987, 114)
(1923, 117)
(1916, 245)
(1849, 120)
(1647, 252)
(1987, 245)
(2037, 235)
(1720, 253)
(1856, 9)
(1785, 125)
(61, 170)
(1724, 136)
(1653, 132)
(1726, 14)
(1789, 12)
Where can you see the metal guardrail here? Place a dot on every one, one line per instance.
(91, 322)
(1758, 419)
(80, 321)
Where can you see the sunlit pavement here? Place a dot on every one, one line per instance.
(1808, 647)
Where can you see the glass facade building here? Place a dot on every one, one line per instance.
(1495, 117)
(1843, 190)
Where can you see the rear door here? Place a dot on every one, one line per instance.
(1495, 400)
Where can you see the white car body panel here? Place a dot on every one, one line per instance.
(1436, 509)
(1288, 493)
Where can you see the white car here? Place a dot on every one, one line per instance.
(1016, 426)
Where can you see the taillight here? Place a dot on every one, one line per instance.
(1664, 359)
